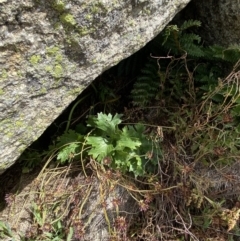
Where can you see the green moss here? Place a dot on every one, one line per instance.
(55, 67)
(1, 92)
(147, 11)
(19, 123)
(43, 90)
(84, 30)
(48, 68)
(132, 23)
(35, 59)
(59, 5)
(75, 91)
(9, 134)
(58, 58)
(57, 25)
(51, 51)
(94, 9)
(19, 73)
(4, 74)
(55, 52)
(68, 19)
(89, 17)
(97, 8)
(58, 71)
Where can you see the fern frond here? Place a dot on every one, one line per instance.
(214, 53)
(230, 54)
(190, 44)
(190, 23)
(146, 86)
(179, 41)
(168, 31)
(189, 38)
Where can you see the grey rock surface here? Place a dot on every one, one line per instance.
(51, 50)
(220, 20)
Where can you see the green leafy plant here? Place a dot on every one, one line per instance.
(69, 144)
(123, 148)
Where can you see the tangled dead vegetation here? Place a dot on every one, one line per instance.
(106, 205)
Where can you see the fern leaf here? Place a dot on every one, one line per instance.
(195, 51)
(232, 54)
(190, 44)
(168, 31)
(190, 23)
(146, 86)
(189, 38)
